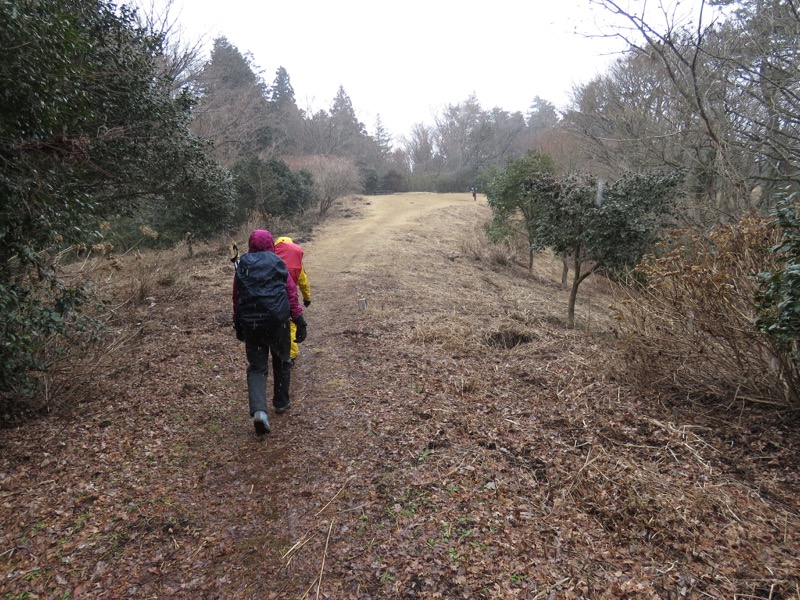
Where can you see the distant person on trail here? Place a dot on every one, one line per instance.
(474, 191)
(264, 303)
(292, 255)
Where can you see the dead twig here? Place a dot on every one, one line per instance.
(586, 465)
(319, 512)
(308, 589)
(324, 555)
(293, 550)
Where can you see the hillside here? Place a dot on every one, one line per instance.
(451, 441)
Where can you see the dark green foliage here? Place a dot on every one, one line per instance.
(272, 187)
(281, 94)
(203, 206)
(598, 226)
(393, 181)
(631, 217)
(611, 226)
(778, 297)
(87, 131)
(371, 180)
(601, 227)
(515, 202)
(508, 194)
(28, 327)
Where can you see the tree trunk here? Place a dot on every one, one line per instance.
(564, 271)
(573, 293)
(576, 282)
(530, 259)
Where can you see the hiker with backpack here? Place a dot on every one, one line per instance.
(292, 255)
(264, 303)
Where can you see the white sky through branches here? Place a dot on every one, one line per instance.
(407, 60)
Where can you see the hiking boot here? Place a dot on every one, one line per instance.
(261, 422)
(282, 409)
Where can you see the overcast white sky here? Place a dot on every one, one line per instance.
(406, 60)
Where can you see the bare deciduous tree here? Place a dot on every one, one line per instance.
(181, 60)
(737, 81)
(419, 146)
(334, 177)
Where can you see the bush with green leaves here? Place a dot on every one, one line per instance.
(31, 321)
(394, 181)
(271, 187)
(88, 130)
(515, 206)
(602, 227)
(371, 180)
(778, 295)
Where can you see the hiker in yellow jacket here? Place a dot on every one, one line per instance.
(292, 255)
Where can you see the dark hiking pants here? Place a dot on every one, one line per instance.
(259, 345)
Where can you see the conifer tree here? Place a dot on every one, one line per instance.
(233, 112)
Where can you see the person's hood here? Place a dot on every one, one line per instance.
(280, 240)
(260, 241)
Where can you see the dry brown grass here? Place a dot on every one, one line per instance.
(475, 245)
(690, 328)
(127, 292)
(299, 229)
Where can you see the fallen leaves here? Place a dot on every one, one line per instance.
(424, 456)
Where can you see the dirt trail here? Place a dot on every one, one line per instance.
(345, 256)
(452, 441)
(355, 243)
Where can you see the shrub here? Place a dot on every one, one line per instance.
(332, 177)
(393, 181)
(31, 321)
(689, 327)
(270, 186)
(371, 180)
(778, 294)
(88, 131)
(478, 247)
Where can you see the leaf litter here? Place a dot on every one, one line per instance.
(453, 440)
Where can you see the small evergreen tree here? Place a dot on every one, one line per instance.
(515, 206)
(383, 141)
(601, 227)
(272, 187)
(393, 181)
(281, 94)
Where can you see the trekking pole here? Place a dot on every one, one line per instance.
(233, 252)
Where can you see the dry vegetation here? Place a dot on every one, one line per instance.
(454, 440)
(690, 328)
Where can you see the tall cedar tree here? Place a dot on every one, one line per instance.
(233, 111)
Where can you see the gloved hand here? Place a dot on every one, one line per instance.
(239, 330)
(306, 303)
(301, 329)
